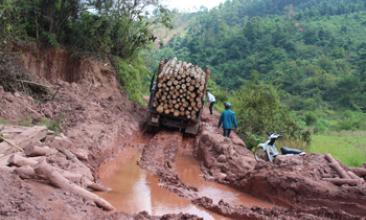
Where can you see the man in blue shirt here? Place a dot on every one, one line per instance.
(228, 120)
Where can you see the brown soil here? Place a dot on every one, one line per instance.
(99, 122)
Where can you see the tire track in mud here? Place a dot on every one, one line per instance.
(124, 177)
(228, 162)
(159, 157)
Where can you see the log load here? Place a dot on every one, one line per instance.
(180, 89)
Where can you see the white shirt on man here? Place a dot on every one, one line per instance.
(211, 98)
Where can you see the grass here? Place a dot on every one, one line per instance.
(26, 123)
(347, 146)
(53, 125)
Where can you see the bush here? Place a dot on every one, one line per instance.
(310, 104)
(346, 124)
(310, 118)
(131, 74)
(321, 125)
(347, 114)
(221, 96)
(252, 141)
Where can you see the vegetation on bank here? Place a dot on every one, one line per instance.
(118, 30)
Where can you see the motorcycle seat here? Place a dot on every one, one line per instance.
(286, 150)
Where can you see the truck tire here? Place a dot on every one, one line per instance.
(152, 129)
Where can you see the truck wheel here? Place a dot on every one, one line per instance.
(152, 129)
(156, 129)
(260, 154)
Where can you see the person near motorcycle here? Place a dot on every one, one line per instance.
(228, 120)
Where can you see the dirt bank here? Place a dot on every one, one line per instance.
(295, 182)
(96, 118)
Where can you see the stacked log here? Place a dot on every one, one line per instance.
(180, 89)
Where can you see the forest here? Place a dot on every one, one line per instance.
(285, 64)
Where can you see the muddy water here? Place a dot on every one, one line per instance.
(135, 190)
(189, 172)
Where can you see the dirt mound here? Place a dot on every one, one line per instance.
(222, 160)
(297, 181)
(16, 108)
(221, 157)
(293, 182)
(41, 201)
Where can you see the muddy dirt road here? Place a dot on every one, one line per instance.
(163, 175)
(105, 166)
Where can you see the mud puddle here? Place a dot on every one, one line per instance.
(135, 190)
(189, 172)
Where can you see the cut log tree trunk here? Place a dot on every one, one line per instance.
(335, 165)
(359, 171)
(16, 160)
(350, 182)
(69, 155)
(354, 176)
(33, 151)
(56, 179)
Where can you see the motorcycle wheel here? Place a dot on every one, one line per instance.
(260, 154)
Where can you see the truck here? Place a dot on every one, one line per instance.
(177, 94)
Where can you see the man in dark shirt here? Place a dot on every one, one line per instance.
(228, 120)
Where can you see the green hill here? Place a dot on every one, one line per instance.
(283, 64)
(314, 49)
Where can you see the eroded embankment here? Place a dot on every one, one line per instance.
(98, 122)
(161, 157)
(294, 182)
(94, 120)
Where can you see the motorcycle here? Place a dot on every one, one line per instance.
(267, 151)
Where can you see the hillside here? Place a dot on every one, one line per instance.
(181, 24)
(310, 55)
(313, 56)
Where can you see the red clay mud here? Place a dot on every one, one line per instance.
(98, 122)
(135, 190)
(294, 182)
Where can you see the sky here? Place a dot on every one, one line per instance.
(189, 4)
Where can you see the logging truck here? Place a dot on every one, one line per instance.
(177, 95)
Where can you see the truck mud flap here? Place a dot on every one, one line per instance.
(172, 123)
(192, 129)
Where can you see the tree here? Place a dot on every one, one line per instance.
(259, 109)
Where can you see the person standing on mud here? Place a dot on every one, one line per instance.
(211, 99)
(228, 120)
